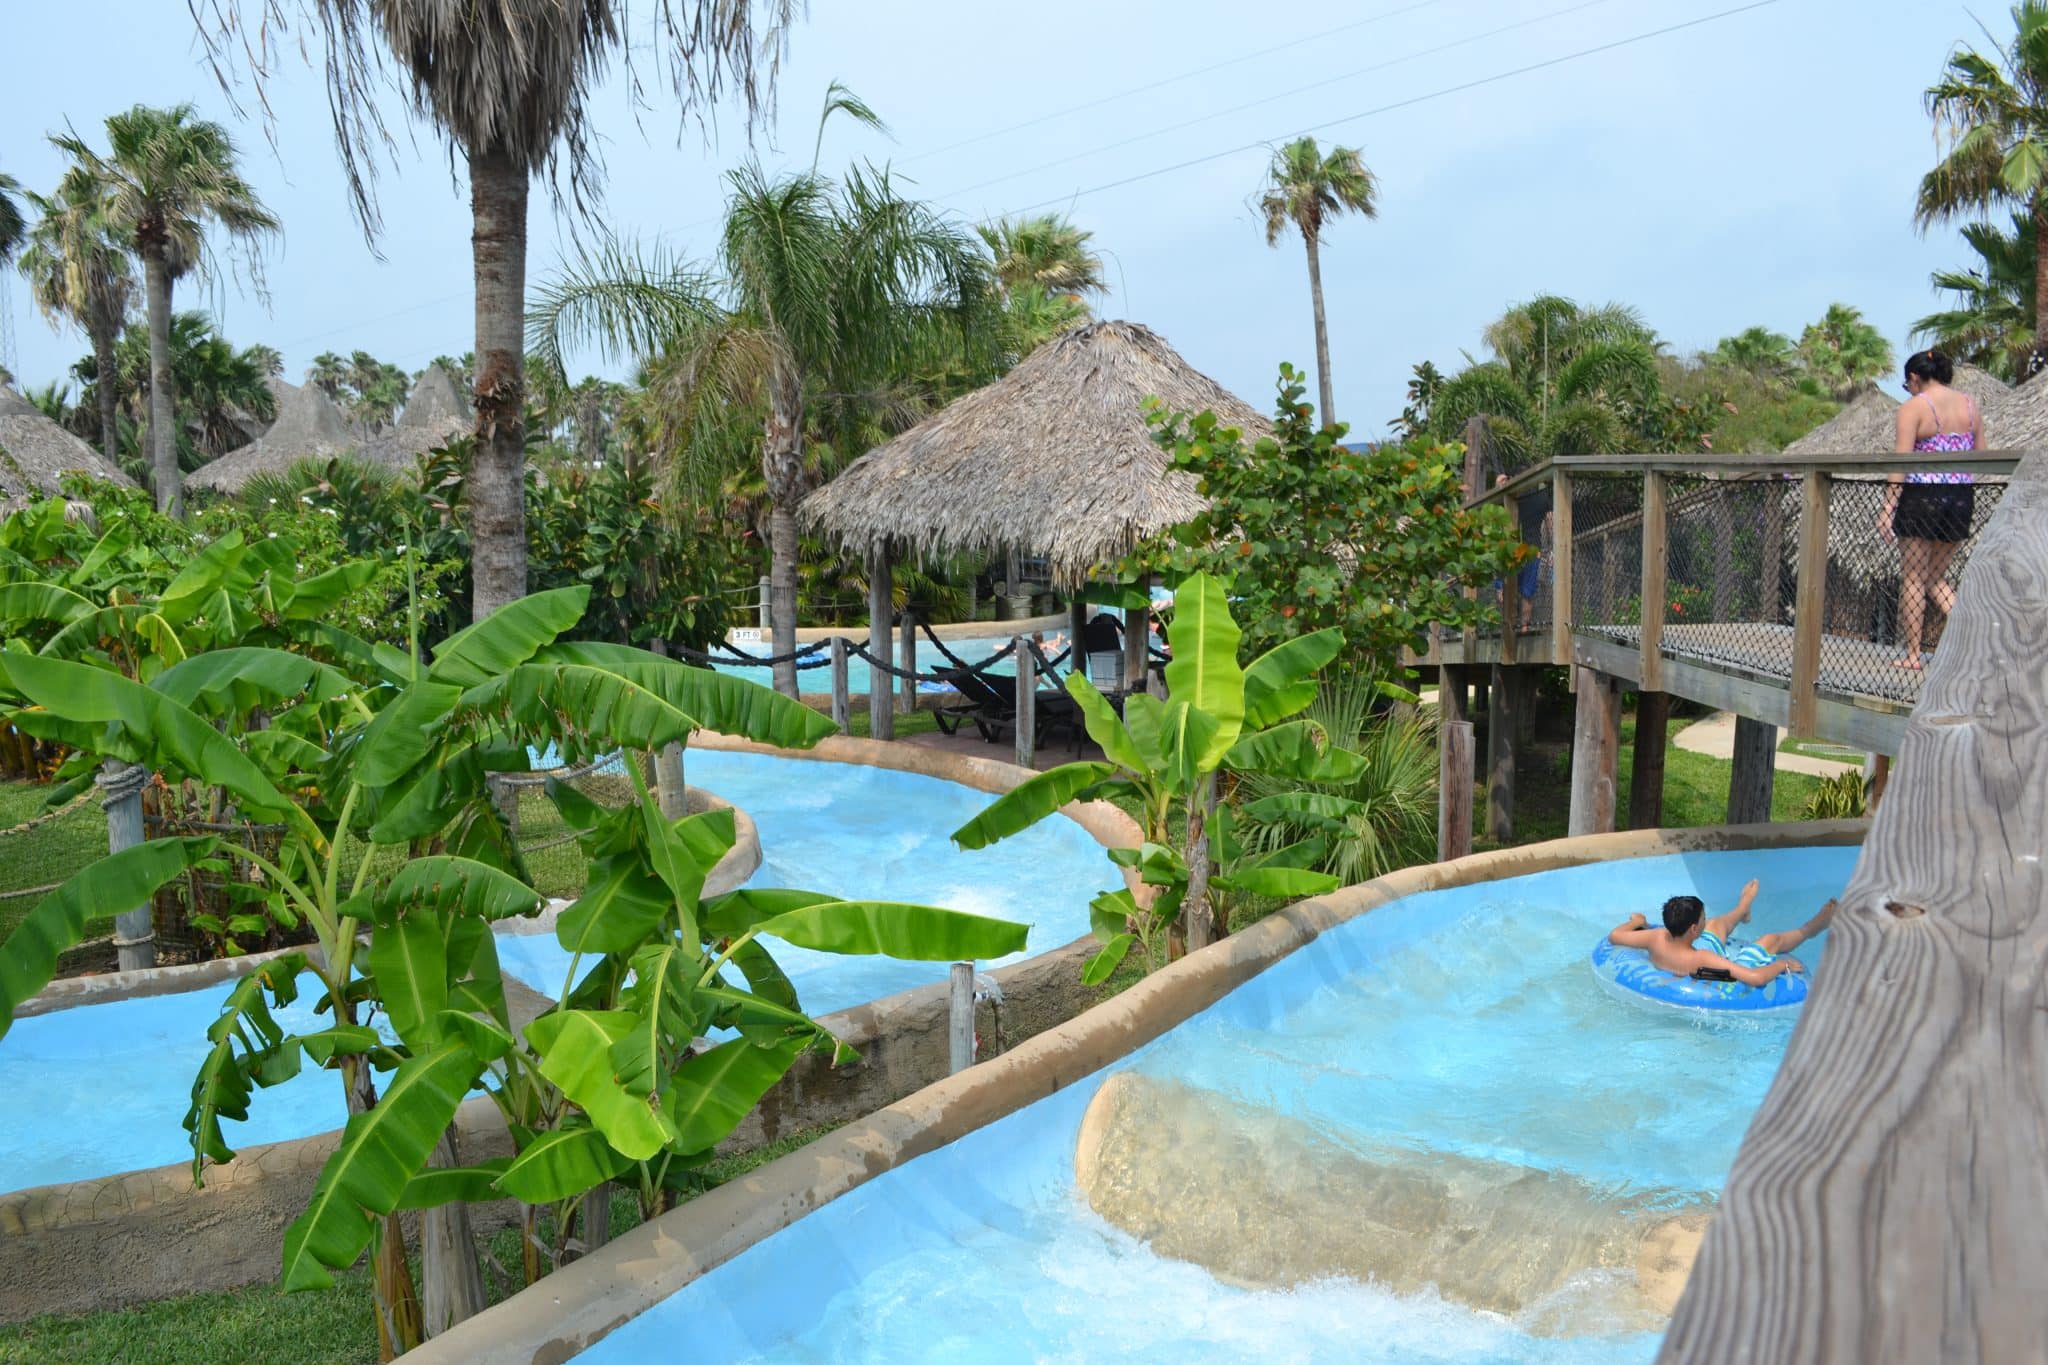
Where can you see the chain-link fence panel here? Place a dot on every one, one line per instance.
(1607, 553)
(1730, 564)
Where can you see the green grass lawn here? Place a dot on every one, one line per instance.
(262, 1325)
(47, 854)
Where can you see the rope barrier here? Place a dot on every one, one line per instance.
(37, 821)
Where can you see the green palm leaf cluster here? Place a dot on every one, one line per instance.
(1990, 112)
(1991, 317)
(1842, 352)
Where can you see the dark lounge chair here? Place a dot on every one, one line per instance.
(992, 706)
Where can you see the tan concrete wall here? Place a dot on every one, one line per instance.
(142, 1235)
(590, 1298)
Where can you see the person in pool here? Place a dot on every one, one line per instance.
(1690, 944)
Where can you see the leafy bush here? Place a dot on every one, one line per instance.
(1846, 796)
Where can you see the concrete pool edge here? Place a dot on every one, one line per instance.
(594, 1296)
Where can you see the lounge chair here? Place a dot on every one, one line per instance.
(992, 706)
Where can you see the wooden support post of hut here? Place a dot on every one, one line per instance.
(1646, 766)
(121, 786)
(1756, 766)
(906, 659)
(1077, 642)
(1888, 1204)
(1450, 695)
(1454, 787)
(1138, 640)
(1027, 702)
(842, 703)
(881, 720)
(1503, 737)
(1596, 747)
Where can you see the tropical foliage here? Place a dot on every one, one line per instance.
(369, 391)
(1165, 762)
(1309, 190)
(1842, 352)
(1372, 546)
(1990, 113)
(221, 397)
(78, 269)
(1990, 319)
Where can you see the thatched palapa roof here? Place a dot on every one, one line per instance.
(435, 414)
(1053, 459)
(35, 453)
(308, 426)
(1869, 425)
(2019, 419)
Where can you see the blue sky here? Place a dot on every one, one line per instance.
(1750, 169)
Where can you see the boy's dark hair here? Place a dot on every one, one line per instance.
(1682, 913)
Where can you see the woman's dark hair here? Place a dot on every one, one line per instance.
(1931, 365)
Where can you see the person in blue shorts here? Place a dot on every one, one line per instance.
(1690, 944)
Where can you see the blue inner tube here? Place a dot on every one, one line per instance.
(1629, 973)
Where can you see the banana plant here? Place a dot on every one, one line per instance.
(1162, 761)
(399, 861)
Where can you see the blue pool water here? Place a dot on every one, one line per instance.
(99, 1089)
(1465, 1022)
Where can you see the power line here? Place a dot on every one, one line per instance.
(1277, 96)
(1398, 104)
(1162, 83)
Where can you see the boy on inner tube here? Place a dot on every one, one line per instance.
(1690, 944)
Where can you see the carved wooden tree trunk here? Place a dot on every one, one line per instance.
(1890, 1203)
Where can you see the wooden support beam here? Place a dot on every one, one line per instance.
(1756, 768)
(1137, 637)
(1077, 637)
(1655, 537)
(1451, 704)
(1027, 702)
(881, 607)
(1889, 1203)
(1454, 790)
(1809, 613)
(1503, 741)
(1646, 766)
(1510, 597)
(1596, 746)
(1561, 557)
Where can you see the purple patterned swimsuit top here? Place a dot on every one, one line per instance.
(1946, 443)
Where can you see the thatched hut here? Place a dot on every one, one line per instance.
(308, 426)
(1053, 460)
(36, 453)
(2019, 419)
(435, 413)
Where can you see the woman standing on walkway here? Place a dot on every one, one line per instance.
(1929, 512)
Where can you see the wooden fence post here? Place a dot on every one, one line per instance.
(1756, 766)
(1655, 555)
(1454, 790)
(842, 702)
(960, 1018)
(121, 786)
(1027, 703)
(1646, 765)
(1596, 745)
(1809, 614)
(1503, 737)
(1561, 567)
(906, 695)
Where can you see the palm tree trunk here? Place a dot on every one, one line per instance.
(1315, 289)
(2040, 355)
(782, 463)
(163, 425)
(110, 407)
(497, 478)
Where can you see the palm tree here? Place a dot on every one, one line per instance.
(1991, 115)
(13, 228)
(78, 268)
(1991, 322)
(1308, 189)
(218, 387)
(328, 373)
(1843, 352)
(169, 176)
(1047, 251)
(1757, 351)
(824, 297)
(506, 82)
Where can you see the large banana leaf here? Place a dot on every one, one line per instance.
(711, 1093)
(438, 1185)
(605, 707)
(718, 701)
(1204, 672)
(23, 603)
(1315, 808)
(130, 877)
(665, 977)
(381, 1150)
(1187, 737)
(914, 933)
(1299, 749)
(507, 637)
(460, 886)
(409, 960)
(131, 619)
(233, 682)
(313, 597)
(156, 729)
(1145, 723)
(200, 579)
(735, 912)
(1029, 802)
(575, 1048)
(1103, 726)
(225, 1078)
(561, 1164)
(619, 907)
(1281, 682)
(683, 853)
(398, 739)
(765, 977)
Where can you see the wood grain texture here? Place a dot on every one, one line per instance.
(1561, 569)
(1754, 771)
(1027, 702)
(1809, 612)
(1596, 745)
(1503, 743)
(881, 606)
(1646, 764)
(1454, 790)
(1890, 1203)
(1655, 533)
